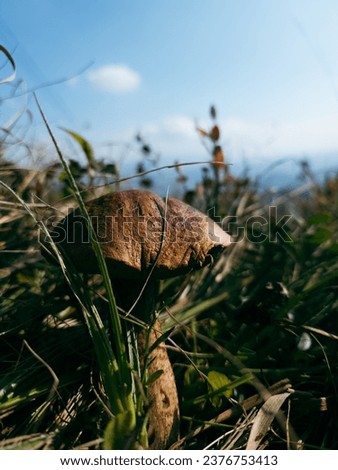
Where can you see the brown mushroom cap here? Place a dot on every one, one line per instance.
(138, 231)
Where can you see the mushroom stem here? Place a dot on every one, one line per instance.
(163, 407)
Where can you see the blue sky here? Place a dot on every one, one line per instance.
(155, 66)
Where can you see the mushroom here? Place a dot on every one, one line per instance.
(144, 239)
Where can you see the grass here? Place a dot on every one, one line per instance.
(254, 334)
(264, 317)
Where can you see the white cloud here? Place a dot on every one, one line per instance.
(176, 125)
(176, 137)
(115, 78)
(267, 140)
(180, 126)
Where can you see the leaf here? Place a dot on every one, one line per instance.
(118, 431)
(214, 134)
(220, 382)
(146, 149)
(146, 182)
(154, 377)
(85, 145)
(181, 179)
(218, 156)
(264, 418)
(75, 168)
(202, 132)
(161, 339)
(110, 168)
(213, 113)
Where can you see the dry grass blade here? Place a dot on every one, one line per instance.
(239, 432)
(264, 418)
(30, 442)
(56, 380)
(236, 411)
(10, 77)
